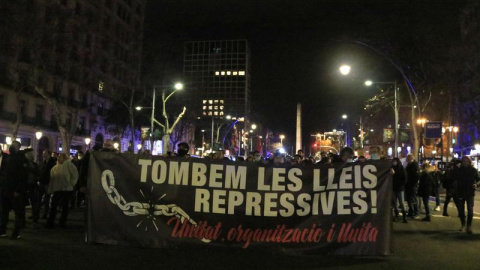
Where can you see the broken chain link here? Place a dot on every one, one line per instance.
(137, 208)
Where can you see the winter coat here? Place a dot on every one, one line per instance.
(16, 174)
(412, 171)
(399, 178)
(45, 169)
(449, 181)
(425, 185)
(466, 177)
(63, 177)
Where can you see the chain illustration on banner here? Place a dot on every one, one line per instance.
(149, 210)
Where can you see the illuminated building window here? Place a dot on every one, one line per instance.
(209, 113)
(217, 73)
(204, 113)
(215, 107)
(215, 113)
(223, 72)
(235, 73)
(210, 107)
(241, 73)
(204, 107)
(215, 101)
(221, 101)
(221, 113)
(100, 86)
(204, 101)
(210, 101)
(221, 108)
(229, 73)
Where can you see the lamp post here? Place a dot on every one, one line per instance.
(87, 142)
(395, 109)
(421, 153)
(412, 92)
(345, 69)
(345, 131)
(254, 127)
(38, 135)
(281, 139)
(167, 129)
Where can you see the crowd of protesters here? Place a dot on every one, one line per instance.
(48, 186)
(60, 181)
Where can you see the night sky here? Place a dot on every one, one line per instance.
(296, 49)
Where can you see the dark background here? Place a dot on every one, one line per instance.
(297, 47)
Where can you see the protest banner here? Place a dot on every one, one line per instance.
(162, 202)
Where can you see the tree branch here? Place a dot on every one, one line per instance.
(177, 120)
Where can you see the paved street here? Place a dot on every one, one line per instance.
(417, 245)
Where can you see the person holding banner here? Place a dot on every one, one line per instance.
(182, 150)
(399, 180)
(467, 181)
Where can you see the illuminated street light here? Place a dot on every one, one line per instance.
(167, 129)
(139, 146)
(138, 108)
(229, 117)
(368, 83)
(115, 145)
(345, 69)
(477, 147)
(421, 121)
(344, 116)
(281, 139)
(87, 141)
(38, 135)
(178, 86)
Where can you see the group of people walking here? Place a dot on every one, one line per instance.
(46, 185)
(460, 180)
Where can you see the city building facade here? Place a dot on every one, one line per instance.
(67, 61)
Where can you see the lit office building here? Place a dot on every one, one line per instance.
(217, 76)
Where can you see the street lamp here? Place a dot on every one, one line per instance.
(87, 142)
(281, 139)
(166, 127)
(38, 135)
(345, 69)
(404, 76)
(395, 106)
(421, 122)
